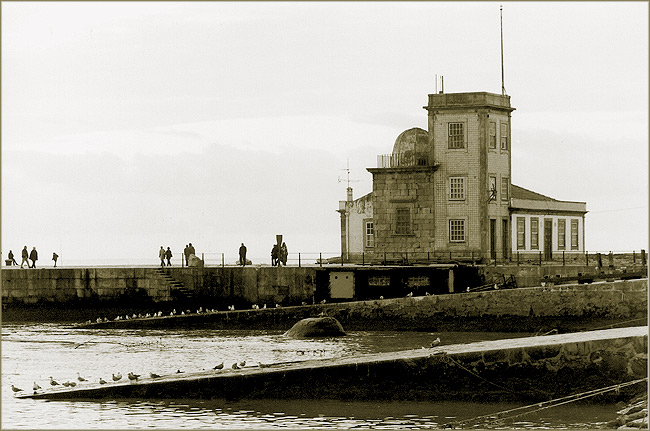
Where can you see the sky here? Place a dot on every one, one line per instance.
(131, 125)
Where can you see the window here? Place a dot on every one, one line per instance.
(534, 233)
(561, 234)
(456, 188)
(403, 221)
(370, 234)
(574, 234)
(505, 183)
(456, 135)
(521, 233)
(493, 189)
(457, 230)
(504, 136)
(493, 135)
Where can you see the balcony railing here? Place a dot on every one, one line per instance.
(403, 160)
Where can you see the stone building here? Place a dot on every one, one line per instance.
(446, 194)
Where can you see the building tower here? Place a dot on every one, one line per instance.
(469, 137)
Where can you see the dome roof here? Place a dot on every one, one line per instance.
(412, 140)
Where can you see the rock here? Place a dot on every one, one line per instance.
(316, 327)
(195, 261)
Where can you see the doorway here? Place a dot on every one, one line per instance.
(548, 239)
(493, 241)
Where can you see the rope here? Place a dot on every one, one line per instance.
(620, 323)
(497, 417)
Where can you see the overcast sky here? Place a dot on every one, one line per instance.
(127, 126)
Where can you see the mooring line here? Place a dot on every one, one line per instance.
(619, 323)
(499, 416)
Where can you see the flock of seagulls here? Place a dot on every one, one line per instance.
(131, 376)
(200, 310)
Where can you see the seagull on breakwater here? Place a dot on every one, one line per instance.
(133, 377)
(36, 386)
(102, 381)
(218, 366)
(242, 364)
(53, 382)
(154, 376)
(435, 342)
(235, 366)
(81, 379)
(409, 295)
(116, 378)
(15, 389)
(179, 371)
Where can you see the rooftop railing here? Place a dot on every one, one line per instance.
(403, 160)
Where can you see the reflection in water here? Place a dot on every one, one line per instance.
(35, 352)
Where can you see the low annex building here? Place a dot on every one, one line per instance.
(446, 194)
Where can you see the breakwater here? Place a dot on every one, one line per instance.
(532, 368)
(563, 308)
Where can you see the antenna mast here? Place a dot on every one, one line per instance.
(503, 87)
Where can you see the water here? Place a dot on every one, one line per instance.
(33, 352)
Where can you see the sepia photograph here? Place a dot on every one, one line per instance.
(324, 215)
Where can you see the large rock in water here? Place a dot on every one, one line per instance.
(316, 327)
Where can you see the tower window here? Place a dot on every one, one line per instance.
(456, 188)
(505, 185)
(403, 221)
(504, 136)
(457, 230)
(456, 135)
(493, 135)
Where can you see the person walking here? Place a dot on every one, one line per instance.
(33, 256)
(242, 254)
(274, 255)
(54, 258)
(186, 253)
(161, 255)
(25, 255)
(168, 255)
(10, 257)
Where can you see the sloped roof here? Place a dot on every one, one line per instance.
(517, 192)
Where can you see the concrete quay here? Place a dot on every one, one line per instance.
(523, 369)
(566, 308)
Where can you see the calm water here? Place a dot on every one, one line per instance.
(33, 352)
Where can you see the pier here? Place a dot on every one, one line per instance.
(535, 368)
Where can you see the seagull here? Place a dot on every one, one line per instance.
(102, 381)
(435, 342)
(36, 387)
(154, 376)
(116, 378)
(235, 366)
(66, 384)
(15, 389)
(132, 376)
(409, 295)
(381, 297)
(53, 382)
(219, 366)
(73, 384)
(179, 371)
(242, 364)
(81, 379)
(261, 365)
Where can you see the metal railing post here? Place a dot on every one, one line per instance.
(517, 258)
(384, 258)
(540, 258)
(320, 259)
(563, 262)
(298, 260)
(223, 260)
(363, 258)
(586, 258)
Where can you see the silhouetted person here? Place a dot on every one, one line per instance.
(186, 253)
(161, 255)
(242, 254)
(274, 255)
(168, 255)
(10, 257)
(54, 258)
(33, 256)
(283, 254)
(25, 255)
